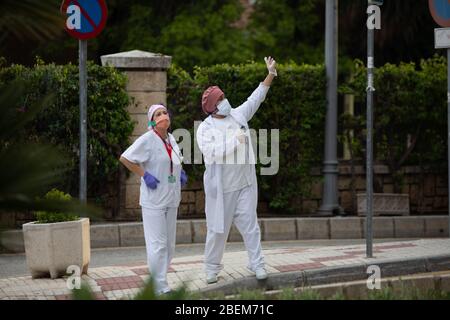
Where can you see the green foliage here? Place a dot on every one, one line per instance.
(51, 216)
(410, 112)
(204, 32)
(109, 124)
(288, 30)
(199, 33)
(147, 292)
(27, 167)
(295, 105)
(29, 20)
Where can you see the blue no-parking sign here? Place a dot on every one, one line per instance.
(85, 18)
(440, 10)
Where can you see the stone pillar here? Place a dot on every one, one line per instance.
(147, 83)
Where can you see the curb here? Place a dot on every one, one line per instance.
(131, 234)
(331, 275)
(357, 290)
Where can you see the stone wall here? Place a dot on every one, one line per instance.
(427, 191)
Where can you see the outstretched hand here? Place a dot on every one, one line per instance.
(271, 65)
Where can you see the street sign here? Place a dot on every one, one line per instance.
(440, 10)
(85, 18)
(442, 38)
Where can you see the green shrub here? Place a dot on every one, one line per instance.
(51, 217)
(410, 115)
(108, 127)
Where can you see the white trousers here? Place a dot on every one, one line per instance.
(160, 227)
(240, 208)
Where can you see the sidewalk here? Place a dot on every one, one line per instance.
(122, 282)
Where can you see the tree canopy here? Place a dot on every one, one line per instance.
(207, 32)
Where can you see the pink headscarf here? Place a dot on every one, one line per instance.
(210, 98)
(152, 110)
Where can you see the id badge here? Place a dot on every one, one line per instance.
(172, 179)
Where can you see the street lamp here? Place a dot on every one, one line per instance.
(330, 170)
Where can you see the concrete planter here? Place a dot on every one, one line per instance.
(52, 247)
(387, 204)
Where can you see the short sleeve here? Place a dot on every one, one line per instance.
(139, 151)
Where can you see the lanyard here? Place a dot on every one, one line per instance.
(168, 147)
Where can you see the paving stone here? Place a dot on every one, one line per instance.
(313, 228)
(105, 235)
(279, 229)
(184, 231)
(409, 227)
(346, 228)
(131, 234)
(436, 227)
(199, 231)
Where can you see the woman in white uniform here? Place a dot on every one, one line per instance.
(231, 191)
(156, 158)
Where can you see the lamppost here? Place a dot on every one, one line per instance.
(330, 165)
(371, 25)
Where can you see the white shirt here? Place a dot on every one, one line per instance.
(149, 152)
(236, 169)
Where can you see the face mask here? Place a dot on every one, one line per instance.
(163, 122)
(224, 108)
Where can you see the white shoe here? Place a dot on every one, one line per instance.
(211, 278)
(261, 273)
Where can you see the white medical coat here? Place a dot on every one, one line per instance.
(149, 152)
(214, 150)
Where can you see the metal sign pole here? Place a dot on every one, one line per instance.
(83, 118)
(94, 14)
(369, 160)
(448, 125)
(442, 41)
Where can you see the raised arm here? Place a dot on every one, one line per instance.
(249, 107)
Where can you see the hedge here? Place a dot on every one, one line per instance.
(109, 124)
(410, 115)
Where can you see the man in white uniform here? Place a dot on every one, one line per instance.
(231, 190)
